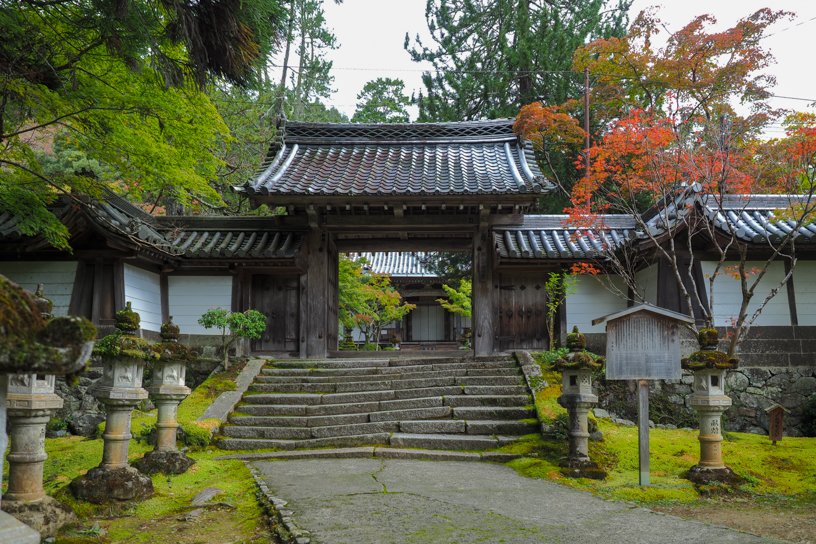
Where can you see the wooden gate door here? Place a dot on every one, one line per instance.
(522, 312)
(277, 298)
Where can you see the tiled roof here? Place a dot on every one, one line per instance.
(752, 217)
(482, 157)
(546, 237)
(396, 264)
(241, 243)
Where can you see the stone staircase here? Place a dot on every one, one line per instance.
(447, 403)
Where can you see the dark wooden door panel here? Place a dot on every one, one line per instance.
(277, 297)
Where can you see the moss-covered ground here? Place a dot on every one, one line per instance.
(775, 479)
(163, 518)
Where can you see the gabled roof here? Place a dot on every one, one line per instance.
(648, 308)
(402, 264)
(752, 217)
(468, 158)
(546, 237)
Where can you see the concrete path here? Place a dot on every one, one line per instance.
(372, 501)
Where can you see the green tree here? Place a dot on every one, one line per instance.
(249, 324)
(559, 286)
(491, 58)
(459, 300)
(382, 100)
(122, 82)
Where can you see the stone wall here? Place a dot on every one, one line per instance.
(777, 366)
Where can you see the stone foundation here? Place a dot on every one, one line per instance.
(46, 516)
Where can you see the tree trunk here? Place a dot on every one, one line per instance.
(301, 53)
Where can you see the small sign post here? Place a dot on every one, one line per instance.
(643, 343)
(777, 426)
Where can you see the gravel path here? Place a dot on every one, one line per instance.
(372, 501)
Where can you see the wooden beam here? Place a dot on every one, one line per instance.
(411, 222)
(104, 254)
(415, 244)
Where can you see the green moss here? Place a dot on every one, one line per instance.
(703, 359)
(369, 347)
(195, 435)
(348, 346)
(127, 321)
(708, 338)
(120, 345)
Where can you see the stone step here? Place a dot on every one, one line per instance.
(448, 441)
(488, 400)
(412, 413)
(305, 433)
(268, 377)
(461, 426)
(309, 421)
(495, 390)
(493, 412)
(332, 442)
(499, 427)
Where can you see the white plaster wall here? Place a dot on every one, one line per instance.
(728, 295)
(593, 300)
(143, 291)
(190, 296)
(57, 279)
(647, 280)
(804, 286)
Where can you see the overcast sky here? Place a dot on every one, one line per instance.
(371, 34)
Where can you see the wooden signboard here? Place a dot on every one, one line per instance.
(777, 424)
(643, 343)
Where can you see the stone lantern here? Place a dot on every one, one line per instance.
(167, 391)
(576, 368)
(709, 401)
(120, 390)
(32, 348)
(31, 402)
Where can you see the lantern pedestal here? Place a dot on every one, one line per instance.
(120, 391)
(167, 391)
(709, 401)
(31, 401)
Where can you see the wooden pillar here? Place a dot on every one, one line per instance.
(119, 285)
(164, 296)
(317, 303)
(483, 304)
(96, 304)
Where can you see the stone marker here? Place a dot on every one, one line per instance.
(32, 347)
(643, 343)
(167, 391)
(777, 423)
(576, 368)
(709, 401)
(120, 390)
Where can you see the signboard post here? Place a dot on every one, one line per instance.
(643, 343)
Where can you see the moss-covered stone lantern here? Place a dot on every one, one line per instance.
(709, 400)
(31, 348)
(120, 390)
(31, 402)
(576, 368)
(167, 391)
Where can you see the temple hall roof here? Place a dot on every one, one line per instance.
(446, 159)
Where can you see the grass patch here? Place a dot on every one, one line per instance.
(786, 472)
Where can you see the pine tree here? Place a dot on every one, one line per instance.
(382, 100)
(490, 58)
